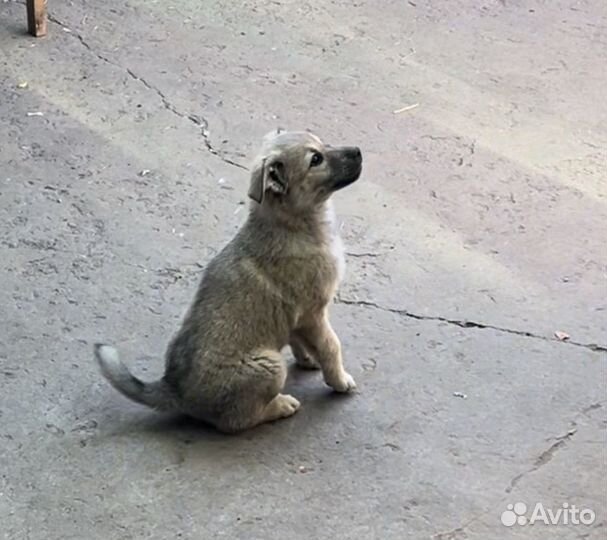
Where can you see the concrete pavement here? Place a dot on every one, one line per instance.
(476, 232)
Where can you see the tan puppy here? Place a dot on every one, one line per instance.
(269, 287)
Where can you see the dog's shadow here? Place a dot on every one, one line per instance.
(318, 404)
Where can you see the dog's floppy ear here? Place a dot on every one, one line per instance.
(268, 175)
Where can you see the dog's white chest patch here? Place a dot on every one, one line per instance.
(336, 245)
(337, 250)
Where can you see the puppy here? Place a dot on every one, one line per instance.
(271, 286)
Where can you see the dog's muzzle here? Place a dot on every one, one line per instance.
(346, 165)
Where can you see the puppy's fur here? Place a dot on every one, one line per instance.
(269, 287)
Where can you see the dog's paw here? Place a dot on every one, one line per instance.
(287, 405)
(343, 383)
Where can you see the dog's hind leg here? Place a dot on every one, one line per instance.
(255, 396)
(282, 406)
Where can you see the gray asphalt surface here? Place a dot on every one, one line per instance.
(476, 232)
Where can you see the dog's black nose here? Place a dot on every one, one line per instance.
(354, 152)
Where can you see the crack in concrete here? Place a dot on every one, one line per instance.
(458, 532)
(465, 323)
(591, 408)
(540, 461)
(364, 254)
(199, 121)
(544, 457)
(202, 123)
(548, 454)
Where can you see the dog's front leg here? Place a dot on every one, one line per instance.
(319, 338)
(302, 357)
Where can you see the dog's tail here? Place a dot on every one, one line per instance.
(158, 395)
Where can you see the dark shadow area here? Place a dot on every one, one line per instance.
(19, 31)
(319, 403)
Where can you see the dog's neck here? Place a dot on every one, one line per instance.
(318, 222)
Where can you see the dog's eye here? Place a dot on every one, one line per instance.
(316, 159)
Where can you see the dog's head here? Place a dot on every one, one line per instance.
(298, 171)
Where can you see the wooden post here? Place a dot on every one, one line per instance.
(36, 17)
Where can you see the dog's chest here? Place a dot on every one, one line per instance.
(315, 269)
(336, 249)
(318, 265)
(336, 246)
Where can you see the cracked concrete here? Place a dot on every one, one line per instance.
(475, 234)
(464, 323)
(543, 458)
(197, 120)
